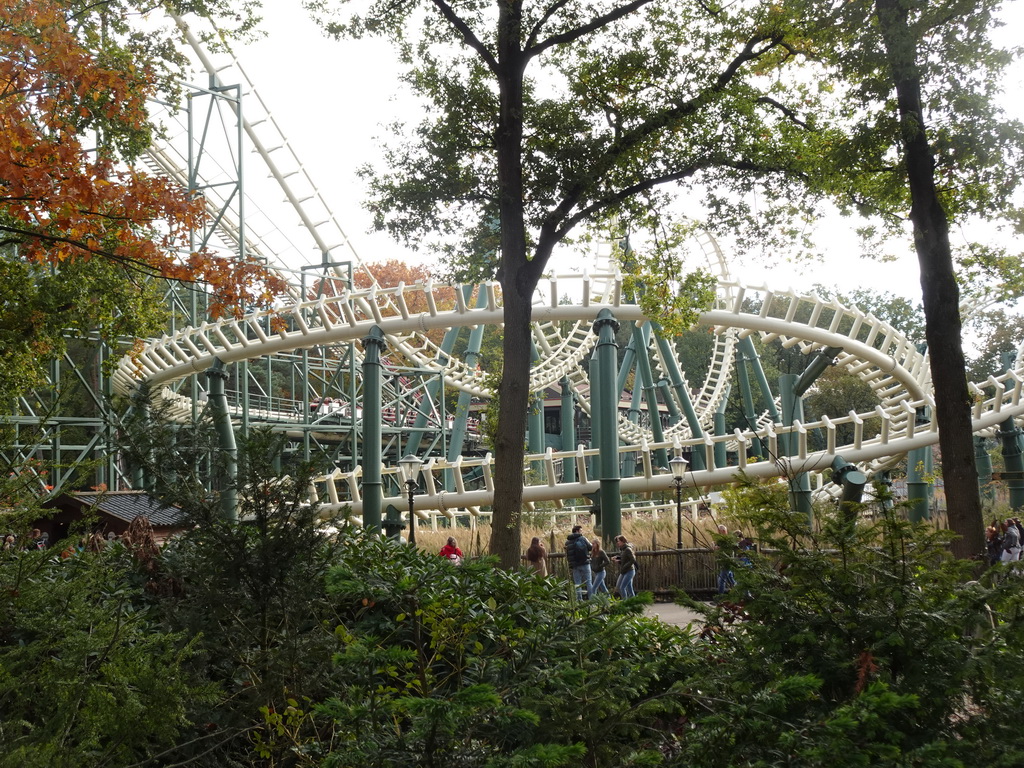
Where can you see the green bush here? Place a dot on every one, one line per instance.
(855, 643)
(88, 677)
(474, 666)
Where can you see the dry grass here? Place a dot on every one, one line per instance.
(645, 533)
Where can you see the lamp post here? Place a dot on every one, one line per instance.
(410, 466)
(678, 467)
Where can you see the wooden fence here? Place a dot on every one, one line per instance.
(662, 571)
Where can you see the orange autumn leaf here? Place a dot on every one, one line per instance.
(61, 202)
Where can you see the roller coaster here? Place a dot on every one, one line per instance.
(360, 374)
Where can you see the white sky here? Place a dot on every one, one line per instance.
(331, 99)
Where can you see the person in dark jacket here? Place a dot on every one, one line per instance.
(627, 567)
(994, 544)
(577, 555)
(599, 562)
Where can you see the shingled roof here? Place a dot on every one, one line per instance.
(127, 505)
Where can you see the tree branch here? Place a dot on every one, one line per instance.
(789, 113)
(535, 32)
(655, 181)
(630, 139)
(468, 37)
(598, 22)
(139, 266)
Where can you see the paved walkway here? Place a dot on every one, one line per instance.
(671, 613)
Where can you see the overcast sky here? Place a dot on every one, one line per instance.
(332, 99)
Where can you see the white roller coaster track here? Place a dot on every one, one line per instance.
(871, 350)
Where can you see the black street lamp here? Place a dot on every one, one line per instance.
(678, 467)
(410, 466)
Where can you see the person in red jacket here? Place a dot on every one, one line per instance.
(451, 551)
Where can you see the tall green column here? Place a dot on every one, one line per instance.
(568, 413)
(629, 461)
(747, 398)
(1009, 434)
(793, 411)
(746, 345)
(373, 376)
(461, 418)
(216, 377)
(918, 461)
(535, 433)
(643, 370)
(674, 416)
(668, 358)
(606, 355)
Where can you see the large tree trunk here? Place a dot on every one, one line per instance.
(510, 438)
(516, 275)
(940, 293)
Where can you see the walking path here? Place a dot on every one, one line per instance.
(671, 613)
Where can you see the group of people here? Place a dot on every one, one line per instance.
(1004, 540)
(588, 563)
(36, 540)
(92, 542)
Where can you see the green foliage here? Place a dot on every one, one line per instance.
(835, 393)
(656, 281)
(252, 593)
(41, 307)
(475, 666)
(854, 643)
(88, 676)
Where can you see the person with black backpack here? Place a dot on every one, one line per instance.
(577, 555)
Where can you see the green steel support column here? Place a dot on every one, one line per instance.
(216, 376)
(682, 395)
(674, 416)
(746, 344)
(435, 386)
(568, 413)
(816, 366)
(535, 423)
(917, 483)
(793, 411)
(627, 364)
(461, 418)
(721, 457)
(853, 481)
(1009, 434)
(983, 462)
(629, 460)
(606, 351)
(593, 462)
(917, 486)
(747, 397)
(884, 478)
(373, 380)
(393, 524)
(643, 370)
(242, 370)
